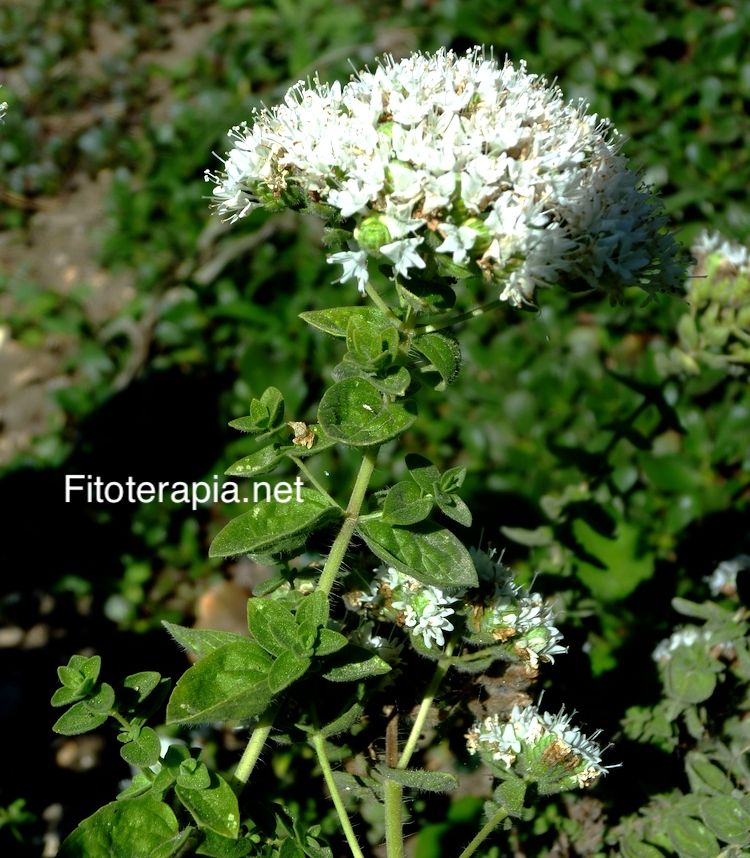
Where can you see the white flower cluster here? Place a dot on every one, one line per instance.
(458, 160)
(732, 254)
(723, 580)
(424, 610)
(688, 636)
(514, 612)
(529, 733)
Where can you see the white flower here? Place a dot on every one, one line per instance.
(354, 264)
(439, 136)
(723, 580)
(404, 255)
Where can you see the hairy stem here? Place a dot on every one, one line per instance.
(341, 543)
(424, 707)
(250, 755)
(393, 794)
(485, 832)
(319, 745)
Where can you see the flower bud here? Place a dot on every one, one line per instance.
(372, 234)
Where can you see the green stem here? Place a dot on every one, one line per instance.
(379, 302)
(251, 753)
(311, 478)
(394, 841)
(484, 832)
(424, 707)
(341, 543)
(319, 744)
(455, 320)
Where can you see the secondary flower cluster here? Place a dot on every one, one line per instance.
(688, 636)
(498, 611)
(457, 164)
(723, 580)
(538, 746)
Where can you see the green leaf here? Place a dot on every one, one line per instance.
(272, 624)
(394, 382)
(66, 696)
(423, 472)
(136, 828)
(142, 683)
(630, 847)
(273, 400)
(275, 528)
(688, 677)
(404, 504)
(727, 819)
(355, 663)
(229, 684)
(214, 808)
(336, 320)
(427, 552)
(689, 837)
(103, 701)
(371, 345)
(215, 846)
(260, 462)
(78, 719)
(313, 608)
(329, 642)
(193, 774)
(354, 412)
(705, 777)
(344, 722)
(511, 794)
(455, 508)
(286, 669)
(144, 751)
(443, 354)
(419, 779)
(452, 480)
(622, 564)
(201, 642)
(539, 536)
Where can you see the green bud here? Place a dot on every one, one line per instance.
(484, 237)
(372, 234)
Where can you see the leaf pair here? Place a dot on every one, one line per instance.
(412, 500)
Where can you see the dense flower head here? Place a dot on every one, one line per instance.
(690, 636)
(538, 746)
(461, 164)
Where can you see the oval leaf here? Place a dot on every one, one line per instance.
(200, 642)
(728, 820)
(260, 462)
(431, 554)
(356, 413)
(214, 808)
(419, 779)
(689, 837)
(272, 625)
(78, 719)
(336, 320)
(274, 528)
(355, 663)
(287, 668)
(404, 504)
(229, 684)
(137, 827)
(143, 751)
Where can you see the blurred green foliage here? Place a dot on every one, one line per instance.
(589, 459)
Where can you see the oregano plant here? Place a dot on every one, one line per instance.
(449, 186)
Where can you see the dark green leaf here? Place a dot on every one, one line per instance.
(431, 554)
(404, 504)
(689, 837)
(372, 345)
(419, 779)
(229, 684)
(336, 320)
(214, 808)
(443, 354)
(688, 677)
(215, 846)
(143, 683)
(394, 382)
(260, 462)
(344, 722)
(286, 669)
(201, 642)
(511, 794)
(631, 847)
(136, 828)
(329, 642)
(272, 624)
(357, 414)
(423, 472)
(275, 528)
(313, 608)
(452, 480)
(273, 400)
(355, 663)
(705, 776)
(143, 751)
(455, 508)
(728, 820)
(193, 774)
(103, 701)
(78, 719)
